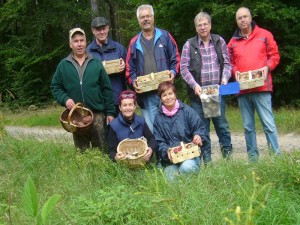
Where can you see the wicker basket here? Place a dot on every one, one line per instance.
(74, 120)
(251, 79)
(151, 81)
(112, 66)
(134, 151)
(184, 152)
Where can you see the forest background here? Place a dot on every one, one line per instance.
(34, 38)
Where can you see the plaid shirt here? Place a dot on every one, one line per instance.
(210, 71)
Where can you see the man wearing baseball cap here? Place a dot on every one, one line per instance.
(105, 49)
(81, 78)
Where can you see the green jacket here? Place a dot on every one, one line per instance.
(88, 84)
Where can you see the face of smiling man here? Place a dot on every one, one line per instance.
(78, 44)
(146, 20)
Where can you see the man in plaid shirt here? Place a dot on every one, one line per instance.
(205, 61)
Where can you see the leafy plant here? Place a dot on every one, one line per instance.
(30, 199)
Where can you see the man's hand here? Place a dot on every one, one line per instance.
(70, 103)
(266, 71)
(197, 140)
(236, 75)
(119, 156)
(122, 65)
(224, 81)
(109, 119)
(172, 76)
(197, 90)
(148, 154)
(136, 88)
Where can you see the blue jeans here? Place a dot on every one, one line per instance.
(222, 129)
(187, 166)
(151, 104)
(262, 103)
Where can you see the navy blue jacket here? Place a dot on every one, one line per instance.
(120, 130)
(170, 131)
(110, 51)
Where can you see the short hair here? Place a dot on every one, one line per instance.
(202, 15)
(127, 94)
(164, 86)
(144, 7)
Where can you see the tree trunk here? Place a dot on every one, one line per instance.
(94, 7)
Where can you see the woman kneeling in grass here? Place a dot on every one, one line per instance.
(129, 125)
(174, 123)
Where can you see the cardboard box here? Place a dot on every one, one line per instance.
(112, 66)
(151, 81)
(251, 79)
(184, 152)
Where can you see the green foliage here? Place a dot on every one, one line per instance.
(31, 203)
(34, 38)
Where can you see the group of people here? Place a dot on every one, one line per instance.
(166, 121)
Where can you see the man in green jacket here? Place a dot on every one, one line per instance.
(81, 78)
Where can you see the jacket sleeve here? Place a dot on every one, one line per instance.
(272, 52)
(162, 144)
(232, 57)
(173, 55)
(112, 143)
(57, 87)
(106, 89)
(150, 138)
(196, 125)
(131, 69)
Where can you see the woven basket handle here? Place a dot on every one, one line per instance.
(78, 105)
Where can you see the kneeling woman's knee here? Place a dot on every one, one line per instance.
(189, 166)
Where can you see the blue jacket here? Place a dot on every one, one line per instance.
(166, 55)
(120, 130)
(110, 51)
(170, 131)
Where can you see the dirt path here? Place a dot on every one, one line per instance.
(287, 142)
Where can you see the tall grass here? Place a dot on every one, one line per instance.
(95, 190)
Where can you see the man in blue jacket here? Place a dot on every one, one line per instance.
(152, 50)
(105, 49)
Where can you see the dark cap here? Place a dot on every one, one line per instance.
(99, 21)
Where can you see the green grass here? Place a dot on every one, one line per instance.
(95, 190)
(41, 117)
(287, 119)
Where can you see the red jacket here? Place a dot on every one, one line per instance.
(255, 52)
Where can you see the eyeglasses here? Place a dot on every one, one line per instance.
(145, 17)
(127, 95)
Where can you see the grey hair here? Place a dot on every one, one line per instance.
(202, 15)
(143, 7)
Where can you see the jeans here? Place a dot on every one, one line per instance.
(222, 129)
(261, 102)
(151, 104)
(187, 166)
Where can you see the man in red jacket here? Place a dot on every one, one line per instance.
(253, 48)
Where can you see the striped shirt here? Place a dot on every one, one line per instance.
(210, 71)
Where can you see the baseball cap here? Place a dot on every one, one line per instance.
(75, 30)
(99, 21)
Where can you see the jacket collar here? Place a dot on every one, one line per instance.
(180, 106)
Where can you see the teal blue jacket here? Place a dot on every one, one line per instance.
(88, 84)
